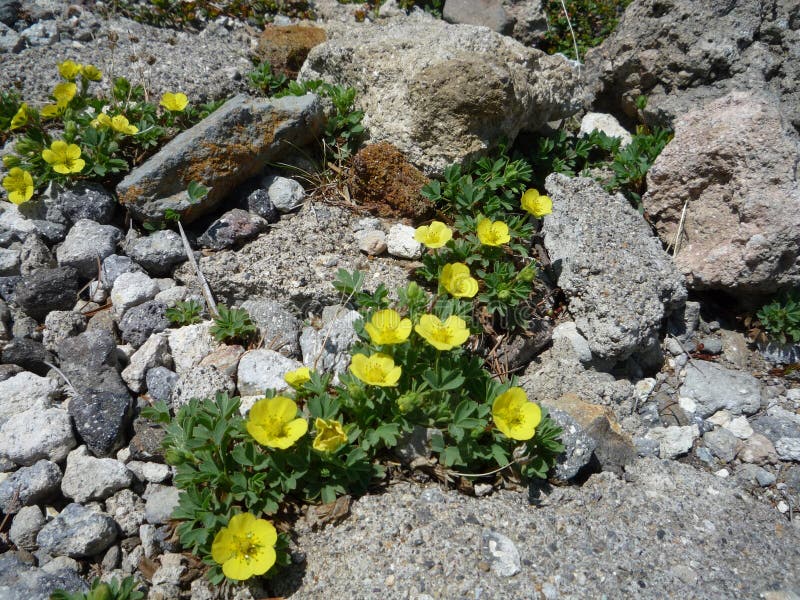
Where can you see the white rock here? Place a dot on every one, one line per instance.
(90, 478)
(262, 369)
(687, 404)
(401, 242)
(372, 242)
(35, 434)
(722, 473)
(569, 331)
(284, 193)
(740, 428)
(131, 289)
(783, 507)
(153, 353)
(720, 418)
(674, 441)
(24, 391)
(149, 471)
(606, 123)
(191, 344)
(202, 381)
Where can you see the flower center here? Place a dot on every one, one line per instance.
(248, 547)
(375, 371)
(442, 333)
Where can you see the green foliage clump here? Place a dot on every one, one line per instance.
(81, 135)
(112, 590)
(781, 318)
(232, 325)
(596, 152)
(184, 313)
(592, 22)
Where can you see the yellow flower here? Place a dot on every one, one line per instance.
(536, 204)
(20, 118)
(443, 336)
(52, 110)
(174, 102)
(91, 73)
(435, 235)
(120, 123)
(493, 233)
(246, 547)
(19, 185)
(386, 327)
(515, 416)
(377, 369)
(330, 435)
(69, 70)
(298, 377)
(102, 120)
(457, 281)
(274, 422)
(64, 92)
(64, 158)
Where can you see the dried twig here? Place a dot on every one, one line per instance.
(209, 298)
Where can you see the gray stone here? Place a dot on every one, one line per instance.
(35, 255)
(28, 354)
(149, 471)
(9, 39)
(43, 33)
(259, 203)
(788, 448)
(37, 434)
(488, 13)
(260, 370)
(127, 509)
(775, 428)
(674, 441)
(59, 325)
(200, 382)
(9, 261)
(372, 242)
(29, 485)
(278, 327)
(619, 281)
(89, 360)
(742, 230)
(713, 387)
(131, 289)
(47, 289)
(142, 321)
(114, 266)
(26, 526)
(285, 194)
(578, 446)
(20, 580)
(78, 532)
(758, 450)
(740, 427)
(401, 243)
(157, 252)
(604, 123)
(82, 200)
(231, 229)
(101, 419)
(154, 353)
(160, 382)
(160, 501)
(501, 554)
(722, 443)
(711, 345)
(443, 93)
(233, 144)
(86, 245)
(88, 478)
(190, 344)
(24, 391)
(327, 349)
(569, 331)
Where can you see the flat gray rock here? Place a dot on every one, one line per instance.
(78, 532)
(234, 143)
(619, 281)
(668, 527)
(714, 387)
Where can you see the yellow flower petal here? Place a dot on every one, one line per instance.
(435, 235)
(298, 377)
(91, 73)
(386, 327)
(174, 102)
(536, 204)
(19, 185)
(378, 369)
(493, 233)
(246, 547)
(69, 69)
(443, 336)
(20, 118)
(456, 279)
(515, 416)
(64, 92)
(330, 435)
(272, 422)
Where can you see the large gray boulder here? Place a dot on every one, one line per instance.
(233, 144)
(619, 281)
(443, 93)
(680, 53)
(734, 161)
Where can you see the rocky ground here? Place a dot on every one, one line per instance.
(681, 474)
